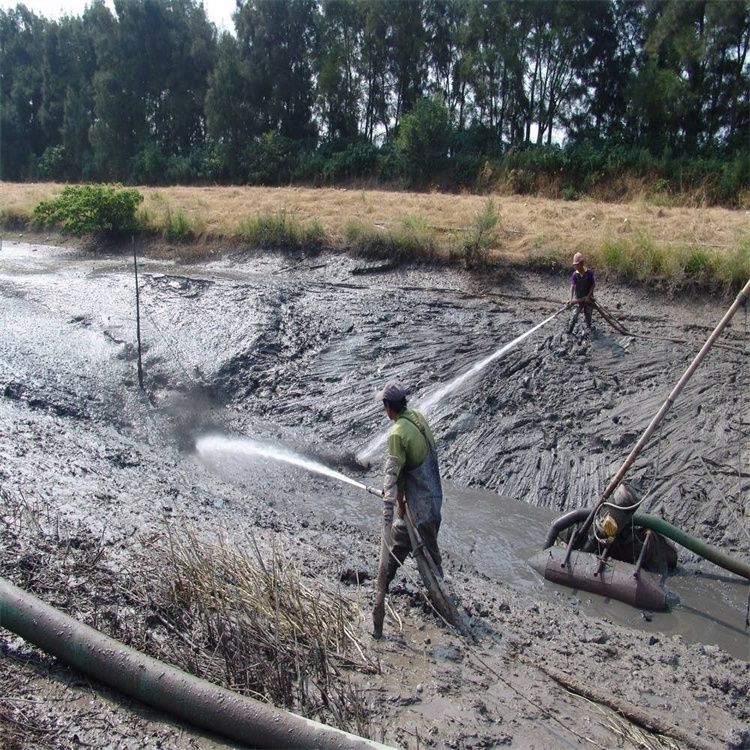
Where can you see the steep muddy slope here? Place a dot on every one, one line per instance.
(307, 345)
(304, 344)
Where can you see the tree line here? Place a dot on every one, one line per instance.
(454, 92)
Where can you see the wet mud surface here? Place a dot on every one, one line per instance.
(292, 350)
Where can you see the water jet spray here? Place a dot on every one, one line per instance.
(250, 449)
(432, 398)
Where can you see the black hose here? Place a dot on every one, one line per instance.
(571, 517)
(161, 686)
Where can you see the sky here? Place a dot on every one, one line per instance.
(218, 11)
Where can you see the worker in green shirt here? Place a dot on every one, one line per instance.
(411, 474)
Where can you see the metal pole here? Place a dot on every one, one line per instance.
(741, 299)
(137, 314)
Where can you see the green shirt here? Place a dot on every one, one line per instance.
(405, 441)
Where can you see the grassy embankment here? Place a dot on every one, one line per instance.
(638, 241)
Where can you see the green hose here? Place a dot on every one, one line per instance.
(660, 526)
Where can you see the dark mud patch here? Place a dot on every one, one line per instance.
(60, 406)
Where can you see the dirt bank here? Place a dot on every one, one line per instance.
(93, 474)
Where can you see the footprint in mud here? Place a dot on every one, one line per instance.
(180, 285)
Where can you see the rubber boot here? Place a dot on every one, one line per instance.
(378, 612)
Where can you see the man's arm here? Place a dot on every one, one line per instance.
(572, 295)
(393, 465)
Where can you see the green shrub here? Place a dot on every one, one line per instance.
(618, 259)
(569, 193)
(411, 240)
(388, 162)
(178, 226)
(91, 209)
(149, 165)
(698, 263)
(733, 268)
(271, 160)
(280, 231)
(423, 139)
(415, 238)
(357, 159)
(481, 236)
(52, 163)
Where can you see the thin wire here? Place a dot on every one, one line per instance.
(169, 346)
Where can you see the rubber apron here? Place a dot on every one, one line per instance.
(424, 496)
(422, 487)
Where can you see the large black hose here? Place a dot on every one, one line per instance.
(579, 515)
(166, 688)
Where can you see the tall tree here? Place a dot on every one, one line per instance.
(374, 67)
(407, 54)
(616, 34)
(276, 42)
(341, 25)
(555, 46)
(445, 24)
(21, 55)
(67, 111)
(151, 80)
(230, 119)
(727, 99)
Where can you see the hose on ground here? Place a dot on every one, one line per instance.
(161, 686)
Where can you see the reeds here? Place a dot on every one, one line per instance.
(281, 231)
(249, 622)
(411, 239)
(259, 627)
(16, 217)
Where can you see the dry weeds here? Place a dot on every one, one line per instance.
(528, 224)
(251, 624)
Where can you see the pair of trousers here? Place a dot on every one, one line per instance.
(402, 546)
(587, 310)
(392, 558)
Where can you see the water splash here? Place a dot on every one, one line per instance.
(432, 398)
(210, 447)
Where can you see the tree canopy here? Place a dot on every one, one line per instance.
(150, 93)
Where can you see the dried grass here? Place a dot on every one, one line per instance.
(251, 624)
(531, 229)
(256, 625)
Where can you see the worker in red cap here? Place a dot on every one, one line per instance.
(581, 292)
(411, 473)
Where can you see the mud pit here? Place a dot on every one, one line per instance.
(292, 350)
